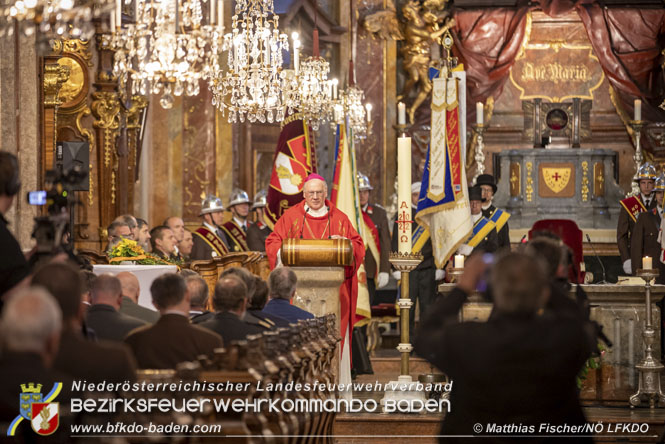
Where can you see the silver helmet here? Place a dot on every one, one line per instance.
(239, 196)
(211, 204)
(363, 183)
(646, 172)
(660, 183)
(260, 200)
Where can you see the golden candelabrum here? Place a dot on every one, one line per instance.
(405, 263)
(637, 126)
(649, 368)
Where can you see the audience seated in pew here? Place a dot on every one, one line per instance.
(248, 279)
(131, 289)
(258, 301)
(230, 302)
(282, 282)
(103, 316)
(78, 356)
(172, 339)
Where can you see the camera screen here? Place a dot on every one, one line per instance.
(37, 197)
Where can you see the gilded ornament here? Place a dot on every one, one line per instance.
(55, 76)
(585, 181)
(529, 182)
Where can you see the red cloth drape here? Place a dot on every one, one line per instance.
(627, 41)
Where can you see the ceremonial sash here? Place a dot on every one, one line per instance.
(499, 217)
(373, 243)
(237, 235)
(211, 239)
(480, 230)
(419, 238)
(633, 206)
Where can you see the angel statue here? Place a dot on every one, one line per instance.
(420, 29)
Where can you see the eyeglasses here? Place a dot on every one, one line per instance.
(314, 193)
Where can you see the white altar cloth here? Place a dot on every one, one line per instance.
(145, 274)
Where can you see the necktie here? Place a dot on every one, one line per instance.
(244, 228)
(646, 203)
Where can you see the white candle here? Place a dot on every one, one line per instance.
(638, 109)
(479, 113)
(220, 13)
(296, 56)
(647, 263)
(401, 113)
(212, 12)
(118, 13)
(459, 261)
(334, 88)
(404, 193)
(368, 108)
(112, 22)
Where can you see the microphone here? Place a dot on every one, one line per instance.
(602, 266)
(522, 240)
(303, 222)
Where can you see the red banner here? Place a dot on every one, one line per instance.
(294, 161)
(454, 150)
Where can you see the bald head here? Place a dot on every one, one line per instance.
(106, 290)
(315, 192)
(129, 284)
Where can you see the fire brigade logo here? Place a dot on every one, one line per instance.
(556, 179)
(42, 413)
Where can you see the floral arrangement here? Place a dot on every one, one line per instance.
(592, 363)
(129, 250)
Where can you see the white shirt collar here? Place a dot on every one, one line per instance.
(486, 205)
(364, 208)
(476, 217)
(210, 227)
(316, 213)
(239, 222)
(644, 197)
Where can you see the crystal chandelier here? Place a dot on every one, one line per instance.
(254, 86)
(314, 88)
(349, 106)
(58, 18)
(166, 51)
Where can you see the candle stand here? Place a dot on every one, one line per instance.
(649, 368)
(637, 126)
(479, 129)
(455, 273)
(404, 388)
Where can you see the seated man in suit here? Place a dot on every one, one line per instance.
(250, 282)
(282, 283)
(536, 357)
(172, 339)
(258, 301)
(163, 244)
(117, 231)
(131, 289)
(103, 316)
(77, 356)
(143, 238)
(198, 299)
(230, 302)
(31, 324)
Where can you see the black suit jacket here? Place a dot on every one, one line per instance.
(644, 242)
(503, 235)
(170, 341)
(13, 266)
(489, 244)
(277, 321)
(509, 370)
(110, 324)
(230, 327)
(94, 361)
(197, 318)
(131, 308)
(428, 258)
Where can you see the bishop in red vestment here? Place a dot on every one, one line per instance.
(317, 218)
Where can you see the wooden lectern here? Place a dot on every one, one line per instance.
(319, 266)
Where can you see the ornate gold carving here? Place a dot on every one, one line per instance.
(55, 76)
(76, 81)
(529, 181)
(80, 48)
(598, 179)
(515, 180)
(106, 109)
(585, 181)
(135, 112)
(423, 26)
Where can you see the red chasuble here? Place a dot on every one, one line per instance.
(294, 224)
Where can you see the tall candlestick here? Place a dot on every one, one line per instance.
(638, 110)
(401, 113)
(404, 194)
(647, 262)
(479, 113)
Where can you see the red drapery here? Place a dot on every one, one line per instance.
(628, 43)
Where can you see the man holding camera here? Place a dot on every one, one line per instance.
(14, 267)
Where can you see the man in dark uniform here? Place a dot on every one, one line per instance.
(258, 232)
(631, 207)
(236, 229)
(230, 301)
(209, 240)
(377, 265)
(645, 240)
(484, 236)
(14, 267)
(422, 280)
(498, 216)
